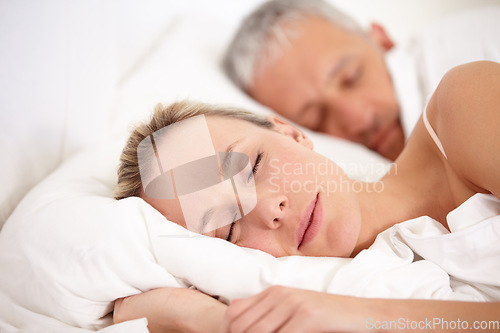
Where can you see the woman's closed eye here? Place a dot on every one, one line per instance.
(256, 165)
(255, 168)
(230, 233)
(231, 227)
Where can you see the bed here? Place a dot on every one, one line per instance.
(75, 77)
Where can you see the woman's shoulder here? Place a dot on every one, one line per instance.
(465, 113)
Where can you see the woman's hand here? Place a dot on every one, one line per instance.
(172, 310)
(288, 310)
(282, 309)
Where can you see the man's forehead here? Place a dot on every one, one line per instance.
(318, 25)
(292, 82)
(284, 87)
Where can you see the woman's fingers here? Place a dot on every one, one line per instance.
(234, 321)
(265, 312)
(272, 320)
(285, 310)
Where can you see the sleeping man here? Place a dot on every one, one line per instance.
(317, 67)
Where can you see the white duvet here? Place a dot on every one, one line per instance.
(70, 250)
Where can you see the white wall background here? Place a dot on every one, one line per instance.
(402, 18)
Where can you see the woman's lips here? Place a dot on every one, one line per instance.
(310, 222)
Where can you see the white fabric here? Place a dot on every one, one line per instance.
(406, 85)
(60, 247)
(418, 65)
(71, 250)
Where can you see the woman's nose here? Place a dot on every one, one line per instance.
(271, 210)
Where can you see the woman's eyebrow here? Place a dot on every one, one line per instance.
(226, 162)
(230, 148)
(206, 218)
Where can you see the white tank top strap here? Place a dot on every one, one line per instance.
(432, 133)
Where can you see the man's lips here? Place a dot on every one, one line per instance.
(310, 222)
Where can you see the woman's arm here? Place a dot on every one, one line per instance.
(281, 309)
(466, 116)
(172, 310)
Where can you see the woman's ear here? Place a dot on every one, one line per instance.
(287, 129)
(378, 34)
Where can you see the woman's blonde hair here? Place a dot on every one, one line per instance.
(129, 179)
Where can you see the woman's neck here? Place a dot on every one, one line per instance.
(415, 186)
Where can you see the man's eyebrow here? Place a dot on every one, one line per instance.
(338, 66)
(304, 108)
(331, 74)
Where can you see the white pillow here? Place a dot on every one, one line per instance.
(60, 245)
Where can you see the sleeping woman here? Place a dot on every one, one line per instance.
(452, 154)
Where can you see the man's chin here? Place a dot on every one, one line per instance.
(392, 149)
(392, 144)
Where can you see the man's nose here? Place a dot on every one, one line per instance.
(353, 115)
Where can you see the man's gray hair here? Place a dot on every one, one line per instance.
(261, 35)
